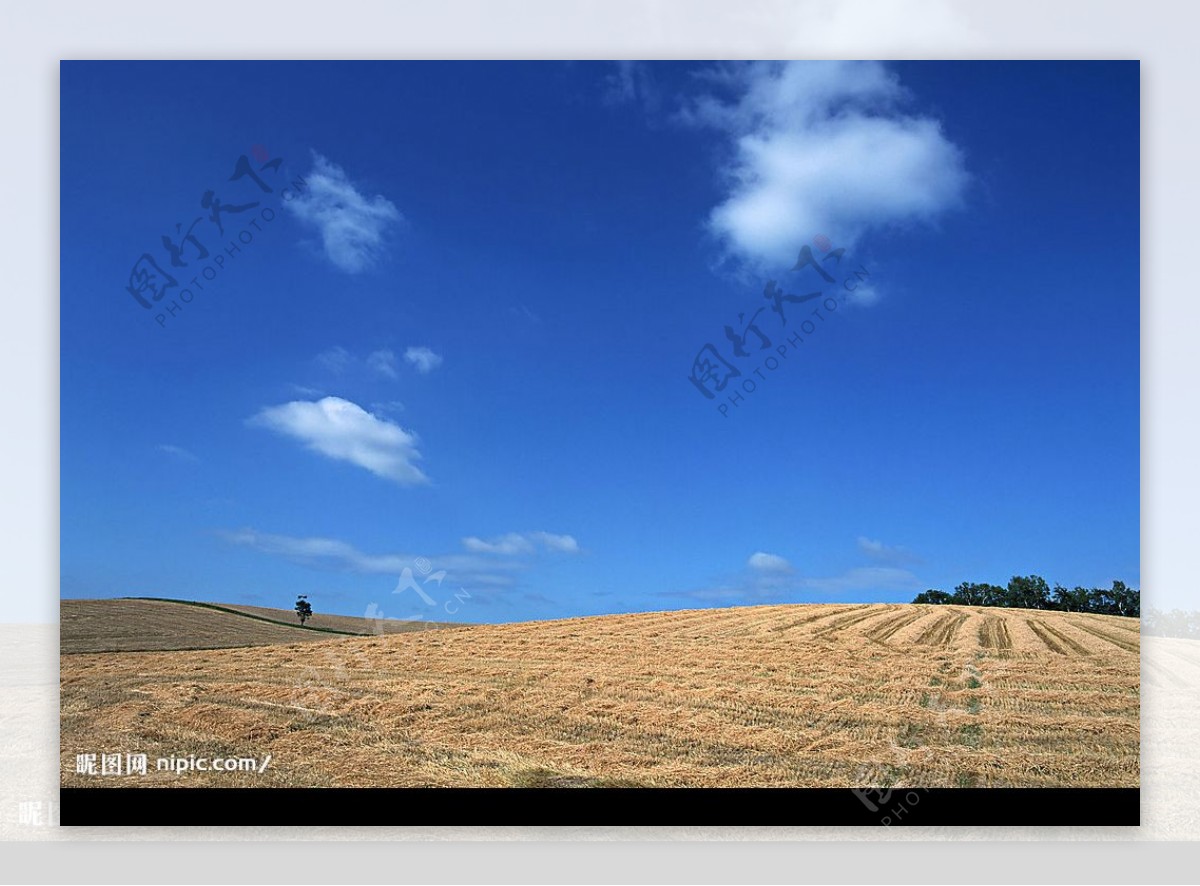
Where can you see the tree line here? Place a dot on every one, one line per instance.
(1032, 592)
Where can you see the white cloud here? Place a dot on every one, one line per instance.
(770, 577)
(512, 543)
(521, 543)
(340, 361)
(345, 431)
(178, 451)
(763, 562)
(306, 391)
(820, 147)
(351, 225)
(383, 363)
(882, 553)
(423, 358)
(461, 569)
(632, 81)
(392, 406)
(565, 544)
(335, 359)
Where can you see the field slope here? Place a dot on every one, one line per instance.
(158, 625)
(803, 695)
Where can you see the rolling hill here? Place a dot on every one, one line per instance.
(793, 695)
(139, 624)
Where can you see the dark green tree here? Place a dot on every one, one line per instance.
(1125, 600)
(1027, 592)
(933, 596)
(303, 608)
(1071, 600)
(975, 594)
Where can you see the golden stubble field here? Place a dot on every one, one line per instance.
(151, 625)
(794, 695)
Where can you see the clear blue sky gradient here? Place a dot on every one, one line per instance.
(980, 420)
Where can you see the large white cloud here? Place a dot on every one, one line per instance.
(351, 225)
(821, 148)
(345, 431)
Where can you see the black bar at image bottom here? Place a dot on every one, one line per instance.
(643, 807)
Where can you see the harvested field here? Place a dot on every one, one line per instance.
(795, 695)
(151, 625)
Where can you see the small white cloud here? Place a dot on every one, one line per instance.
(423, 359)
(821, 148)
(632, 81)
(512, 543)
(306, 391)
(388, 406)
(335, 359)
(864, 295)
(344, 431)
(565, 544)
(178, 451)
(351, 225)
(764, 562)
(521, 543)
(881, 553)
(383, 363)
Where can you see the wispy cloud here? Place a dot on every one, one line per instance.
(382, 362)
(565, 544)
(424, 359)
(494, 566)
(763, 562)
(632, 83)
(512, 543)
(523, 310)
(344, 431)
(306, 391)
(341, 361)
(888, 554)
(387, 406)
(335, 359)
(330, 553)
(820, 147)
(772, 578)
(521, 543)
(351, 226)
(178, 452)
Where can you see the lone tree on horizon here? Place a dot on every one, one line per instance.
(303, 608)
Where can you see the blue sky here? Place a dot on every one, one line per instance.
(462, 346)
